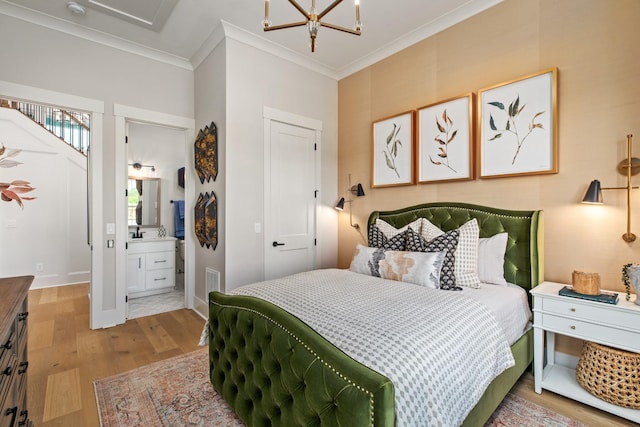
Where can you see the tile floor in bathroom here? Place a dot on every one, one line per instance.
(154, 304)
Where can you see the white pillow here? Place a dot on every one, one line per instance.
(390, 231)
(491, 252)
(419, 268)
(466, 263)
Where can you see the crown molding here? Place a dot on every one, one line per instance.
(105, 39)
(226, 29)
(236, 33)
(458, 15)
(429, 29)
(215, 38)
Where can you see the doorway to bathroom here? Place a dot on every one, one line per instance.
(155, 219)
(154, 267)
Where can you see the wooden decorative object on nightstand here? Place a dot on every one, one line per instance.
(13, 351)
(616, 326)
(585, 283)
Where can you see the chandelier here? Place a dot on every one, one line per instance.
(313, 20)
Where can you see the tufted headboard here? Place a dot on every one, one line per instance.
(524, 260)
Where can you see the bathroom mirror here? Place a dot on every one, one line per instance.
(143, 202)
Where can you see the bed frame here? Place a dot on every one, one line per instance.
(275, 370)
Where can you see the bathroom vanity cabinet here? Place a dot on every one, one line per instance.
(151, 266)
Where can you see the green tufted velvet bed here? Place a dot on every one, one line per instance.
(273, 369)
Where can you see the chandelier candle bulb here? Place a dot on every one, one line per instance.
(585, 283)
(266, 22)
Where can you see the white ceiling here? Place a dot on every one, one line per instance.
(387, 26)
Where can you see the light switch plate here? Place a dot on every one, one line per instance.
(111, 228)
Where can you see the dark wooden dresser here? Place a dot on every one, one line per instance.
(13, 351)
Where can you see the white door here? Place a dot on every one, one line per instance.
(291, 200)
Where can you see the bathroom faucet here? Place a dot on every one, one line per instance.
(137, 234)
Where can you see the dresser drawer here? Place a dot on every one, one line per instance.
(8, 342)
(156, 279)
(9, 416)
(7, 371)
(592, 331)
(157, 260)
(22, 321)
(21, 375)
(595, 312)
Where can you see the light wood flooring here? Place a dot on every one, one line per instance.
(65, 357)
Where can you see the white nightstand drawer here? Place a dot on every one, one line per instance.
(592, 311)
(591, 331)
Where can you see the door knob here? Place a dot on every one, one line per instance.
(277, 244)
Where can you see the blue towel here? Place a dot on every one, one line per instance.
(179, 218)
(180, 204)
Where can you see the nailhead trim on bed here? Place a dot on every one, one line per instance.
(522, 255)
(226, 328)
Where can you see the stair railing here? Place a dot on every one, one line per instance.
(73, 127)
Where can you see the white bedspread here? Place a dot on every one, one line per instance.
(441, 349)
(509, 304)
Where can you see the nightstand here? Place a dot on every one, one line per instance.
(608, 324)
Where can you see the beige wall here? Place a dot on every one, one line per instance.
(596, 46)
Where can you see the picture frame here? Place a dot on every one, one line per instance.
(518, 126)
(393, 141)
(445, 140)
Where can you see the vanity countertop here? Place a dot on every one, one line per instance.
(146, 239)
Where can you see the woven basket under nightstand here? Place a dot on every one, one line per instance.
(610, 374)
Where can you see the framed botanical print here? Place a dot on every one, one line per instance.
(518, 126)
(445, 140)
(393, 147)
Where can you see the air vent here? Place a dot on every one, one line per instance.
(150, 14)
(212, 281)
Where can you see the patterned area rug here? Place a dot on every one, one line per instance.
(177, 392)
(517, 412)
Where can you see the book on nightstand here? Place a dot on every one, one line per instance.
(606, 297)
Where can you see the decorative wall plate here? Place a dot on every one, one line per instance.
(206, 220)
(206, 153)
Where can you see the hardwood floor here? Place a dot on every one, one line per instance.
(65, 357)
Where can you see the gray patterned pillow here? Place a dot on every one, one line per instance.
(377, 239)
(466, 253)
(447, 241)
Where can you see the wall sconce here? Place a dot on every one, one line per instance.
(138, 166)
(355, 190)
(628, 167)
